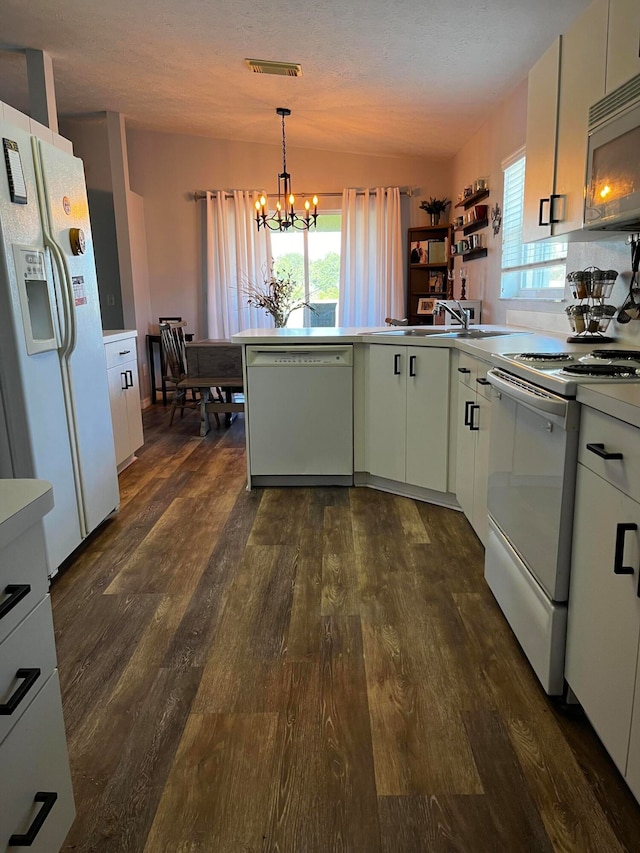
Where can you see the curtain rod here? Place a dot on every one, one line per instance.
(200, 194)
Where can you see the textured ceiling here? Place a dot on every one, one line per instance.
(412, 78)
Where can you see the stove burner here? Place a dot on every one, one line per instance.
(622, 354)
(544, 356)
(613, 370)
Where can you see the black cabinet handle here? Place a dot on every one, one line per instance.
(48, 799)
(463, 370)
(599, 450)
(396, 364)
(412, 365)
(16, 592)
(543, 201)
(472, 409)
(467, 406)
(30, 677)
(130, 379)
(482, 381)
(621, 530)
(552, 208)
(123, 374)
(124, 352)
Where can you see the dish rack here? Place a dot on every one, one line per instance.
(590, 317)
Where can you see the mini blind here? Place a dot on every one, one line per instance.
(515, 253)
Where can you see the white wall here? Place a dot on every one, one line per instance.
(166, 169)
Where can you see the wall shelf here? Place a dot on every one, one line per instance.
(472, 227)
(474, 254)
(470, 200)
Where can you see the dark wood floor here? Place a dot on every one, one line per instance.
(303, 671)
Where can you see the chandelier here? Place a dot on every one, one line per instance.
(285, 216)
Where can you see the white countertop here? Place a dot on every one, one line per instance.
(22, 504)
(518, 339)
(620, 401)
(110, 335)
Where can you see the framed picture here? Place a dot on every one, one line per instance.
(425, 305)
(436, 282)
(419, 252)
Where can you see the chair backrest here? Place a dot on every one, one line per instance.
(215, 358)
(172, 342)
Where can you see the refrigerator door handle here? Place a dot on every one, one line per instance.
(64, 278)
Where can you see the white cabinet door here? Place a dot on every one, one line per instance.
(427, 440)
(542, 113)
(124, 397)
(119, 414)
(582, 82)
(623, 49)
(465, 449)
(481, 420)
(134, 412)
(604, 610)
(633, 760)
(407, 415)
(386, 416)
(36, 752)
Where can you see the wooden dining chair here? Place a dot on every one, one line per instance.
(173, 350)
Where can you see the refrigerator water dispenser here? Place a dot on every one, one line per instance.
(35, 299)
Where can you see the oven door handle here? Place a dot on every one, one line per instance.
(542, 401)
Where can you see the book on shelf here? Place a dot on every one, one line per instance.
(437, 251)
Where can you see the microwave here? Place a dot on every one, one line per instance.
(612, 186)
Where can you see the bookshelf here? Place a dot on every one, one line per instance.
(429, 260)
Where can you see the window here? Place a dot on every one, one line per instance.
(529, 270)
(313, 259)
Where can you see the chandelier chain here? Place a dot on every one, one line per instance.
(284, 148)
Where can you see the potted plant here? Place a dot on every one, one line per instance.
(434, 207)
(278, 295)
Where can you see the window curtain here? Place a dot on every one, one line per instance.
(371, 281)
(236, 255)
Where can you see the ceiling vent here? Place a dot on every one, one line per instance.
(284, 69)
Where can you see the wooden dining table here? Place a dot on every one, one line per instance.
(218, 365)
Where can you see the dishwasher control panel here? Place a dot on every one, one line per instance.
(325, 356)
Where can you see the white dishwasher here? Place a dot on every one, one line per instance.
(299, 410)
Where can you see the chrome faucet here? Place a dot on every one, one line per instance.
(462, 315)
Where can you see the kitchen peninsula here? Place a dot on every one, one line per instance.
(397, 418)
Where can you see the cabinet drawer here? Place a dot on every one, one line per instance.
(26, 650)
(481, 382)
(608, 436)
(23, 579)
(34, 759)
(119, 352)
(467, 370)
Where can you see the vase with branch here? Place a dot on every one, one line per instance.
(435, 207)
(278, 295)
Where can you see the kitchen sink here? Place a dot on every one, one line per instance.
(469, 334)
(414, 333)
(479, 333)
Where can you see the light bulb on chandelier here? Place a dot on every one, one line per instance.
(285, 216)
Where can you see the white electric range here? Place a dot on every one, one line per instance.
(532, 467)
(560, 372)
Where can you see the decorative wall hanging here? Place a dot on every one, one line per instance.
(496, 219)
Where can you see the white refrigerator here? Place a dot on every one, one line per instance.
(55, 419)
